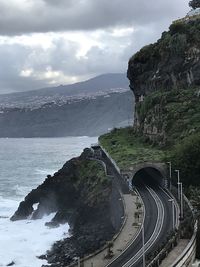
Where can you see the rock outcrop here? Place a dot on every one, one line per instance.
(172, 62)
(81, 194)
(163, 74)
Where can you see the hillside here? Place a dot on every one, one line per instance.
(93, 87)
(165, 79)
(89, 108)
(81, 194)
(166, 75)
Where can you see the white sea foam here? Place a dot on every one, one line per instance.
(22, 241)
(24, 164)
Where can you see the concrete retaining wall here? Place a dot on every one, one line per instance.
(111, 159)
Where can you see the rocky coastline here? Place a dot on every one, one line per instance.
(84, 197)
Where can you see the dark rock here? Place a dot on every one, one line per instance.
(25, 209)
(79, 196)
(170, 64)
(11, 264)
(42, 257)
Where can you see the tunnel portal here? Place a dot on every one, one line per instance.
(149, 176)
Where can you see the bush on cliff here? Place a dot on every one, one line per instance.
(194, 4)
(186, 157)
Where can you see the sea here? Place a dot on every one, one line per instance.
(24, 164)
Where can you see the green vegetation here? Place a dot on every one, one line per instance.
(92, 181)
(173, 43)
(194, 4)
(92, 173)
(186, 157)
(175, 113)
(127, 149)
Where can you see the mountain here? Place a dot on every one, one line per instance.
(95, 86)
(88, 108)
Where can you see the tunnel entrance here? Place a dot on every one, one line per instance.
(149, 176)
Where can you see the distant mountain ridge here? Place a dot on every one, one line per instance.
(86, 108)
(98, 85)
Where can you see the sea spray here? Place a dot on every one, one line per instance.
(24, 164)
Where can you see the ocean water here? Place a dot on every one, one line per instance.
(24, 164)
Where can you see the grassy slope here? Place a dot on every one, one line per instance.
(93, 175)
(179, 117)
(128, 149)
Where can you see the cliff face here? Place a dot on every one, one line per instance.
(163, 73)
(172, 62)
(81, 194)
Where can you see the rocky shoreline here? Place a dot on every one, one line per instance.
(84, 197)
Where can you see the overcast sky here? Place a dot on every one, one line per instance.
(51, 42)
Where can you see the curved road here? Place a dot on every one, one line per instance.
(157, 224)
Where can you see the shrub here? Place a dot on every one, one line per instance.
(186, 157)
(194, 4)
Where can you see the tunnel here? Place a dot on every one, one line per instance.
(149, 176)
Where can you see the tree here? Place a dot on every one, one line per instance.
(194, 4)
(186, 157)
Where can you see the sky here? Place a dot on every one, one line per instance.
(46, 43)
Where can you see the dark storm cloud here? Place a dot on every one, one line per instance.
(20, 16)
(13, 60)
(25, 66)
(61, 57)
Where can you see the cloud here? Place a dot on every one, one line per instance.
(22, 16)
(25, 67)
(48, 42)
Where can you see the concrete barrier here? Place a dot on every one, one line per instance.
(111, 159)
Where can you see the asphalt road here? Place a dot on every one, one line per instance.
(157, 225)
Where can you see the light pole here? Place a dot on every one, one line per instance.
(181, 199)
(178, 183)
(173, 219)
(143, 248)
(170, 174)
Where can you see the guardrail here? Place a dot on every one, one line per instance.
(111, 159)
(188, 252)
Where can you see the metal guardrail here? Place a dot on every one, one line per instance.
(187, 252)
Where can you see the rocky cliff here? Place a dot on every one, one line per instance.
(165, 79)
(81, 194)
